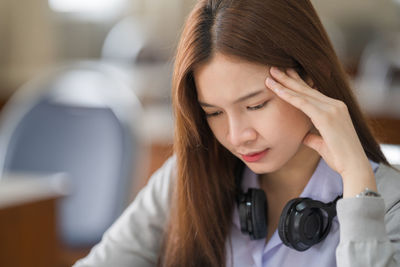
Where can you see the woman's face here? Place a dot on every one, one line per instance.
(246, 117)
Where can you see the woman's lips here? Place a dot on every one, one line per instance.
(255, 157)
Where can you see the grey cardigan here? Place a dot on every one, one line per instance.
(369, 227)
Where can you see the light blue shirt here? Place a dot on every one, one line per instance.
(325, 185)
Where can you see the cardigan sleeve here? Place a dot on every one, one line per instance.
(368, 236)
(135, 237)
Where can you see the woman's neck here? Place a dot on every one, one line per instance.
(290, 180)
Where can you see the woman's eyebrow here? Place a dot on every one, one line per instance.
(240, 99)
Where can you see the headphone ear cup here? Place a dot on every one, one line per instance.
(244, 228)
(258, 214)
(284, 221)
(301, 224)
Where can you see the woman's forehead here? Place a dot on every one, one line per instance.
(223, 78)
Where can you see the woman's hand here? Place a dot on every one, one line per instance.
(338, 142)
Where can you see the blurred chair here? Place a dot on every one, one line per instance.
(83, 121)
(378, 81)
(142, 61)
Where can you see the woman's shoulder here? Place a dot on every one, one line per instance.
(164, 176)
(168, 168)
(388, 183)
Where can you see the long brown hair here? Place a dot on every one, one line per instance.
(282, 33)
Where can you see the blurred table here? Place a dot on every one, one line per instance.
(28, 220)
(385, 129)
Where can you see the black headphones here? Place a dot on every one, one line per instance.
(303, 223)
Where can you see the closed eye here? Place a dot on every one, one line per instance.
(258, 106)
(209, 115)
(215, 114)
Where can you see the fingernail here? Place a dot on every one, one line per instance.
(270, 82)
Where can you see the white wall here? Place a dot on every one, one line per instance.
(381, 13)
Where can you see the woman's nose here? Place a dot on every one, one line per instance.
(240, 132)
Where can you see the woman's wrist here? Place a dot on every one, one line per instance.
(354, 184)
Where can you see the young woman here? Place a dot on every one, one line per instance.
(264, 114)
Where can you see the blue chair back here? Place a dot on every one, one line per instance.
(87, 140)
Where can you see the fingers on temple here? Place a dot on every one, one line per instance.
(306, 86)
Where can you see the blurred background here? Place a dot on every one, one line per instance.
(86, 110)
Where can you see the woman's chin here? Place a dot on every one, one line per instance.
(261, 168)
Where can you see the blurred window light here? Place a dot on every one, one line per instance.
(96, 8)
(84, 6)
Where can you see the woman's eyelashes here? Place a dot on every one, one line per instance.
(257, 107)
(214, 114)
